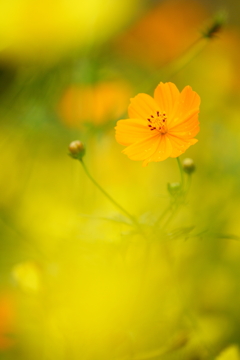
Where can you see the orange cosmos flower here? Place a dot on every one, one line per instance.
(160, 127)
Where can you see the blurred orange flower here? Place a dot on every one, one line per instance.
(7, 320)
(160, 127)
(163, 33)
(93, 103)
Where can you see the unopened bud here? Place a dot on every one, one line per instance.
(217, 24)
(76, 149)
(174, 188)
(188, 166)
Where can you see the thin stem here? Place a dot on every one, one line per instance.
(189, 181)
(170, 207)
(174, 211)
(189, 54)
(109, 197)
(181, 172)
(177, 199)
(162, 216)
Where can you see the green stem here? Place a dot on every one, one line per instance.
(175, 206)
(189, 181)
(109, 197)
(181, 172)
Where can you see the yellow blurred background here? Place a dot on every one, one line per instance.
(77, 281)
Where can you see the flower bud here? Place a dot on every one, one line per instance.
(76, 149)
(216, 26)
(174, 188)
(188, 166)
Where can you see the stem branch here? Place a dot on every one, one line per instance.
(131, 217)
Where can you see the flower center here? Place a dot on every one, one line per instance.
(158, 122)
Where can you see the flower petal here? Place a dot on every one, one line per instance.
(188, 102)
(166, 95)
(131, 130)
(179, 145)
(142, 107)
(162, 152)
(143, 149)
(188, 127)
(189, 99)
(157, 148)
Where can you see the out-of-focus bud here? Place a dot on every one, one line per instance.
(216, 26)
(76, 149)
(188, 166)
(174, 188)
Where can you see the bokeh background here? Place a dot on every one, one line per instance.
(76, 279)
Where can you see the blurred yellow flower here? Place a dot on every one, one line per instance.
(93, 103)
(231, 353)
(42, 30)
(160, 127)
